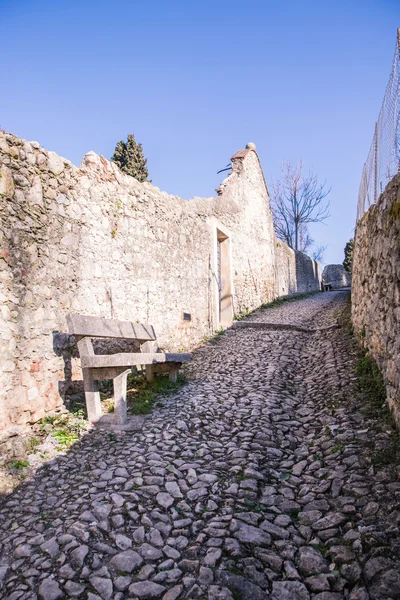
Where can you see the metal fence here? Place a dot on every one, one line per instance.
(383, 161)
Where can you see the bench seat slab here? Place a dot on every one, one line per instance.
(131, 359)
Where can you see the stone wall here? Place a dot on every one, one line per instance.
(93, 240)
(336, 276)
(285, 261)
(295, 271)
(308, 273)
(376, 287)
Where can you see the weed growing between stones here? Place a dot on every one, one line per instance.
(280, 301)
(217, 335)
(243, 314)
(338, 447)
(255, 506)
(66, 429)
(214, 338)
(236, 595)
(19, 464)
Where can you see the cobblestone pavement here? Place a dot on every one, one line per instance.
(255, 481)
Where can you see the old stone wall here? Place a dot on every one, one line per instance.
(285, 261)
(376, 287)
(308, 273)
(295, 271)
(95, 241)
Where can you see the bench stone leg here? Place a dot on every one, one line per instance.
(149, 372)
(92, 396)
(173, 375)
(119, 384)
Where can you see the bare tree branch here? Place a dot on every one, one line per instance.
(297, 200)
(318, 253)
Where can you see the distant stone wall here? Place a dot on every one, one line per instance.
(308, 273)
(336, 276)
(285, 261)
(376, 287)
(95, 241)
(295, 271)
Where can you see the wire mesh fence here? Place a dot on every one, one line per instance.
(383, 161)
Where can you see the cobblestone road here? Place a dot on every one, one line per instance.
(255, 481)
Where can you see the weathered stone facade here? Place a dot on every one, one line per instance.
(93, 240)
(295, 272)
(336, 276)
(376, 287)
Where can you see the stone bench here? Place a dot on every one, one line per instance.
(96, 367)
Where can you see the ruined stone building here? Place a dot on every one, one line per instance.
(336, 276)
(95, 241)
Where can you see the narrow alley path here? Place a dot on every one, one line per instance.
(255, 481)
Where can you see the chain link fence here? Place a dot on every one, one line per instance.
(383, 161)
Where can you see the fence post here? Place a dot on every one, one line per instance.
(397, 141)
(376, 164)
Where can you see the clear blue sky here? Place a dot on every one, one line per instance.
(195, 81)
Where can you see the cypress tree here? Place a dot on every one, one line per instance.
(130, 159)
(348, 255)
(119, 156)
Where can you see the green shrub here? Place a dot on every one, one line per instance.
(19, 464)
(143, 394)
(370, 382)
